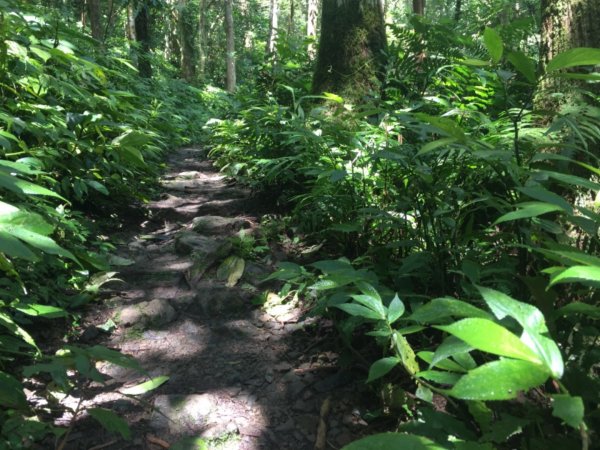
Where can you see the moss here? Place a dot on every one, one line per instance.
(351, 48)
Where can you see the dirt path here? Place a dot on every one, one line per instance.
(240, 376)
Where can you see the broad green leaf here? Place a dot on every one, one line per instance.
(44, 243)
(528, 316)
(359, 311)
(524, 65)
(333, 97)
(431, 146)
(488, 336)
(388, 441)
(231, 270)
(588, 275)
(451, 346)
(574, 57)
(544, 195)
(11, 392)
(7, 322)
(371, 303)
(437, 376)
(493, 43)
(547, 350)
(147, 386)
(407, 354)
(97, 186)
(445, 364)
(474, 62)
(528, 210)
(14, 248)
(381, 367)
(569, 409)
(571, 180)
(368, 289)
(395, 310)
(445, 307)
(578, 308)
(111, 421)
(20, 186)
(499, 380)
(47, 311)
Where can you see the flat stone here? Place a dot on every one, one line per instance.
(182, 414)
(187, 242)
(156, 312)
(218, 224)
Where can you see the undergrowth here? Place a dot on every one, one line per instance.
(455, 231)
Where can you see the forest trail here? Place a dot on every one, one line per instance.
(240, 376)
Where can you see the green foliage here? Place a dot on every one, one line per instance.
(447, 186)
(81, 136)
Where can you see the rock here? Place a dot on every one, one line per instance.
(205, 252)
(218, 224)
(307, 424)
(187, 242)
(216, 430)
(182, 414)
(156, 312)
(255, 273)
(215, 299)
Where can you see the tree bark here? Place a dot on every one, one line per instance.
(350, 58)
(202, 40)
(229, 32)
(419, 7)
(566, 24)
(457, 10)
(187, 50)
(95, 15)
(142, 35)
(312, 12)
(273, 24)
(291, 24)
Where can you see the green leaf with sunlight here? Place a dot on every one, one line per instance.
(381, 367)
(146, 386)
(588, 275)
(488, 336)
(493, 43)
(499, 380)
(527, 210)
(574, 57)
(569, 409)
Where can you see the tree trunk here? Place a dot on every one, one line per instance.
(458, 10)
(202, 40)
(350, 55)
(187, 50)
(229, 32)
(566, 24)
(130, 23)
(95, 15)
(291, 21)
(311, 26)
(419, 7)
(273, 24)
(142, 35)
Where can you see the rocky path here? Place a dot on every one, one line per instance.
(240, 376)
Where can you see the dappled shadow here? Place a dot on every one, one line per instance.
(235, 372)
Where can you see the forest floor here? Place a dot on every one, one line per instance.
(241, 376)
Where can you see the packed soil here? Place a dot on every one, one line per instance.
(241, 375)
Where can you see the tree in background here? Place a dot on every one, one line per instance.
(566, 24)
(352, 40)
(312, 12)
(141, 20)
(273, 25)
(229, 31)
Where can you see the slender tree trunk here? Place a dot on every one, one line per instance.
(419, 7)
(229, 31)
(95, 15)
(351, 47)
(130, 23)
(142, 35)
(458, 10)
(311, 26)
(291, 21)
(248, 35)
(202, 40)
(273, 24)
(187, 49)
